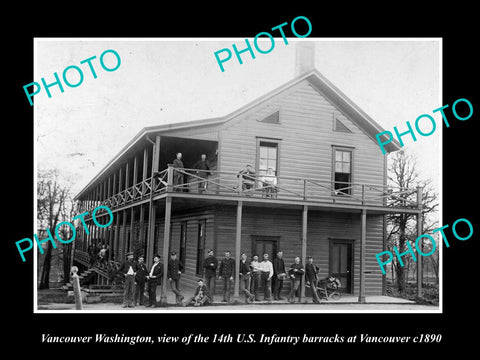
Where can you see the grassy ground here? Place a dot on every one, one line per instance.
(430, 293)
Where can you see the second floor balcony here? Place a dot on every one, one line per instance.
(224, 185)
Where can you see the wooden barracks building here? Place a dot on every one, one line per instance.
(330, 203)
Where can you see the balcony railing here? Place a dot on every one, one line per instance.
(223, 183)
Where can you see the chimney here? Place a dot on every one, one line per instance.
(305, 57)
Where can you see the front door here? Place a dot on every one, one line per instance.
(341, 263)
(265, 245)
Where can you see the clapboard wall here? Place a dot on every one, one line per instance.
(286, 225)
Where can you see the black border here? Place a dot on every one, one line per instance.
(241, 20)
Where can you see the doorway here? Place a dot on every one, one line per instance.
(265, 245)
(341, 263)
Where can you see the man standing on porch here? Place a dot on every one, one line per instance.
(296, 271)
(128, 269)
(266, 268)
(255, 270)
(227, 272)
(154, 278)
(210, 265)
(174, 271)
(279, 274)
(311, 278)
(245, 277)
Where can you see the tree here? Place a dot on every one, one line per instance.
(402, 227)
(51, 203)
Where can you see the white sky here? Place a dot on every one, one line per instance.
(171, 80)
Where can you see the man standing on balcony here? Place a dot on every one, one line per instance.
(210, 265)
(128, 269)
(174, 271)
(226, 273)
(203, 168)
(177, 176)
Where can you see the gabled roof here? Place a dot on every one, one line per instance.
(314, 77)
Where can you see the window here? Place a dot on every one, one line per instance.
(267, 157)
(342, 171)
(183, 243)
(202, 227)
(338, 125)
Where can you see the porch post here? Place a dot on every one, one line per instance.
(238, 240)
(304, 248)
(419, 232)
(166, 237)
(152, 210)
(363, 240)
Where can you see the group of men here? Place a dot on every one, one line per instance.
(253, 275)
(202, 171)
(137, 275)
(202, 168)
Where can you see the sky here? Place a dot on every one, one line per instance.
(161, 81)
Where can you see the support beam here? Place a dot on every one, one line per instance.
(363, 241)
(132, 237)
(419, 217)
(304, 248)
(166, 237)
(238, 242)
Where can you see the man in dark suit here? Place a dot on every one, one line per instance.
(203, 168)
(154, 278)
(311, 278)
(128, 269)
(174, 271)
(177, 176)
(279, 274)
(210, 266)
(140, 277)
(226, 272)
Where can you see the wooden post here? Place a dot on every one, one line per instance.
(132, 238)
(123, 240)
(145, 166)
(238, 241)
(135, 170)
(304, 248)
(166, 237)
(76, 288)
(363, 240)
(419, 232)
(152, 208)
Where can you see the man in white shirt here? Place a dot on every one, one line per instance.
(154, 278)
(266, 269)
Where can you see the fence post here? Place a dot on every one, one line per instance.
(76, 288)
(170, 178)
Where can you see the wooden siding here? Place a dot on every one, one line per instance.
(321, 227)
(307, 136)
